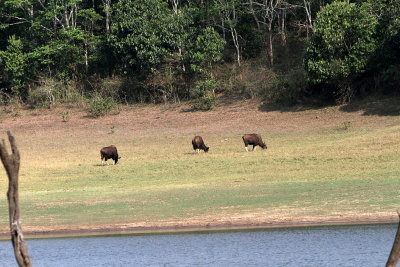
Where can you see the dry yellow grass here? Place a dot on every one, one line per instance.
(314, 170)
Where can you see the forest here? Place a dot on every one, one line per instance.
(102, 53)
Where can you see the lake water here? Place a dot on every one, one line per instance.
(364, 245)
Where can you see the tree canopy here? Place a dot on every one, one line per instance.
(165, 49)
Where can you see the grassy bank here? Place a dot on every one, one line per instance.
(314, 168)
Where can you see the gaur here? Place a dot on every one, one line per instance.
(198, 144)
(109, 152)
(253, 139)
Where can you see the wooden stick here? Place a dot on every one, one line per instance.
(395, 253)
(11, 164)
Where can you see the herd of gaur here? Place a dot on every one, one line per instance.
(111, 152)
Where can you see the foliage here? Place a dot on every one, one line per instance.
(204, 94)
(287, 88)
(65, 115)
(346, 125)
(161, 45)
(387, 59)
(140, 33)
(342, 45)
(252, 80)
(162, 49)
(50, 92)
(112, 129)
(13, 61)
(100, 106)
(204, 51)
(42, 97)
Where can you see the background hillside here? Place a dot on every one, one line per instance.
(100, 53)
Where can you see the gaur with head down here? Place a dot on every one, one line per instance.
(109, 152)
(198, 144)
(253, 139)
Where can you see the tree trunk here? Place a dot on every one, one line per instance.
(236, 43)
(270, 47)
(107, 11)
(11, 164)
(395, 253)
(283, 27)
(309, 22)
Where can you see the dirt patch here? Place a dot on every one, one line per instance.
(233, 118)
(247, 221)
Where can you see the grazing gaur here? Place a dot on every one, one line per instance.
(198, 144)
(253, 139)
(109, 152)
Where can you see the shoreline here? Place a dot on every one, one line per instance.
(192, 228)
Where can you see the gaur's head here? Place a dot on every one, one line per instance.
(206, 149)
(264, 146)
(116, 159)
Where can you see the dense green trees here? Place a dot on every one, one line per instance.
(142, 33)
(352, 42)
(162, 50)
(341, 46)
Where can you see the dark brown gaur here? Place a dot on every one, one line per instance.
(253, 139)
(109, 152)
(198, 144)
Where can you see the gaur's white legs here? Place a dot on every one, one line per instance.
(107, 163)
(254, 148)
(198, 151)
(246, 149)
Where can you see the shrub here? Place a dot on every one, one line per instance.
(41, 97)
(49, 92)
(346, 125)
(100, 106)
(287, 88)
(65, 116)
(11, 104)
(13, 63)
(251, 80)
(204, 94)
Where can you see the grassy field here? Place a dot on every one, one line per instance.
(314, 170)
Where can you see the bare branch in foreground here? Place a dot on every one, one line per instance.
(395, 253)
(11, 164)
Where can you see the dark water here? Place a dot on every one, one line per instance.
(366, 245)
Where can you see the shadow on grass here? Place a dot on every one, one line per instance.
(373, 106)
(191, 109)
(194, 153)
(381, 106)
(268, 107)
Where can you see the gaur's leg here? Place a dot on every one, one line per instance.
(254, 147)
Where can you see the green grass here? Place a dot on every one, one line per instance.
(160, 178)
